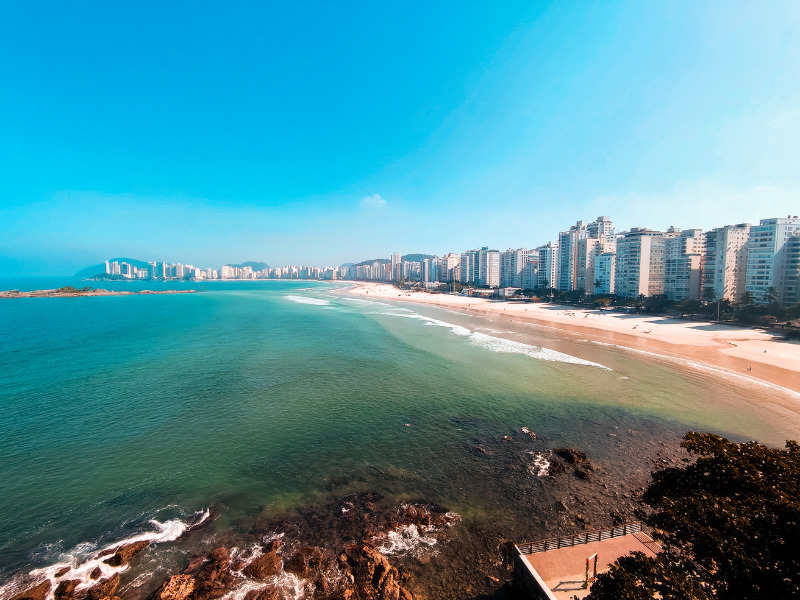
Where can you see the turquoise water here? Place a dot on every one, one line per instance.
(263, 396)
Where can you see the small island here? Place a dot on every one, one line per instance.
(73, 292)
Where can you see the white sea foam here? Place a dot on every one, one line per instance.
(79, 567)
(307, 300)
(290, 587)
(496, 344)
(406, 540)
(540, 467)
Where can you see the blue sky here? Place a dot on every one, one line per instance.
(329, 132)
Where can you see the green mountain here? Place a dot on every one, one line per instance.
(255, 265)
(101, 268)
(416, 257)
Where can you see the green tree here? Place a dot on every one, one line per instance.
(746, 299)
(729, 524)
(771, 297)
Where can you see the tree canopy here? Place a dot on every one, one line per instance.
(729, 524)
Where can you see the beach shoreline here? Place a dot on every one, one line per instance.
(742, 352)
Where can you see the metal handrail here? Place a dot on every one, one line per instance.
(578, 539)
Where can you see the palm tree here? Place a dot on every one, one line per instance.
(597, 284)
(771, 296)
(747, 298)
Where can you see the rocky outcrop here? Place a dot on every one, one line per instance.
(105, 588)
(38, 592)
(305, 560)
(177, 587)
(372, 576)
(269, 592)
(123, 554)
(421, 515)
(266, 565)
(214, 578)
(66, 589)
(570, 459)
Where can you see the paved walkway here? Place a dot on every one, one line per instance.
(564, 570)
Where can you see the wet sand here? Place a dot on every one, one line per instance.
(745, 352)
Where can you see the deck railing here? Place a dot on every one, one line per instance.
(579, 538)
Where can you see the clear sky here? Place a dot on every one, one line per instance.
(330, 132)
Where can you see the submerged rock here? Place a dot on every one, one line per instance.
(305, 561)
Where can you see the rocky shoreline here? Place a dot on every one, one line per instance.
(71, 292)
(368, 546)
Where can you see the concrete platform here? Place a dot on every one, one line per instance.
(563, 570)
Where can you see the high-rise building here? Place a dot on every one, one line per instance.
(725, 265)
(576, 257)
(604, 273)
(640, 263)
(397, 260)
(684, 253)
(548, 265)
(447, 267)
(512, 263)
(770, 262)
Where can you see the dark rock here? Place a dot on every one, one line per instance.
(177, 587)
(62, 572)
(107, 587)
(570, 455)
(39, 592)
(305, 560)
(96, 573)
(65, 589)
(124, 553)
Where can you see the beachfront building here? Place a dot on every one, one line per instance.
(568, 255)
(548, 265)
(770, 260)
(481, 267)
(397, 259)
(448, 268)
(577, 248)
(512, 262)
(684, 253)
(726, 255)
(530, 273)
(605, 266)
(640, 263)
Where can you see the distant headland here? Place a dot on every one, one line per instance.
(73, 292)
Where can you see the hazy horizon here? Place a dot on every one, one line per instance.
(319, 134)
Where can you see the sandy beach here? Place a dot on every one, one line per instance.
(741, 351)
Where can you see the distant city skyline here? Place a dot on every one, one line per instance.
(322, 134)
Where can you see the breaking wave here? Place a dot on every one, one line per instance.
(307, 300)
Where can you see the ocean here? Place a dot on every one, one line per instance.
(129, 414)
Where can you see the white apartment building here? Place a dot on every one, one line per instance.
(684, 253)
(548, 265)
(725, 265)
(771, 261)
(512, 263)
(640, 263)
(605, 266)
(448, 265)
